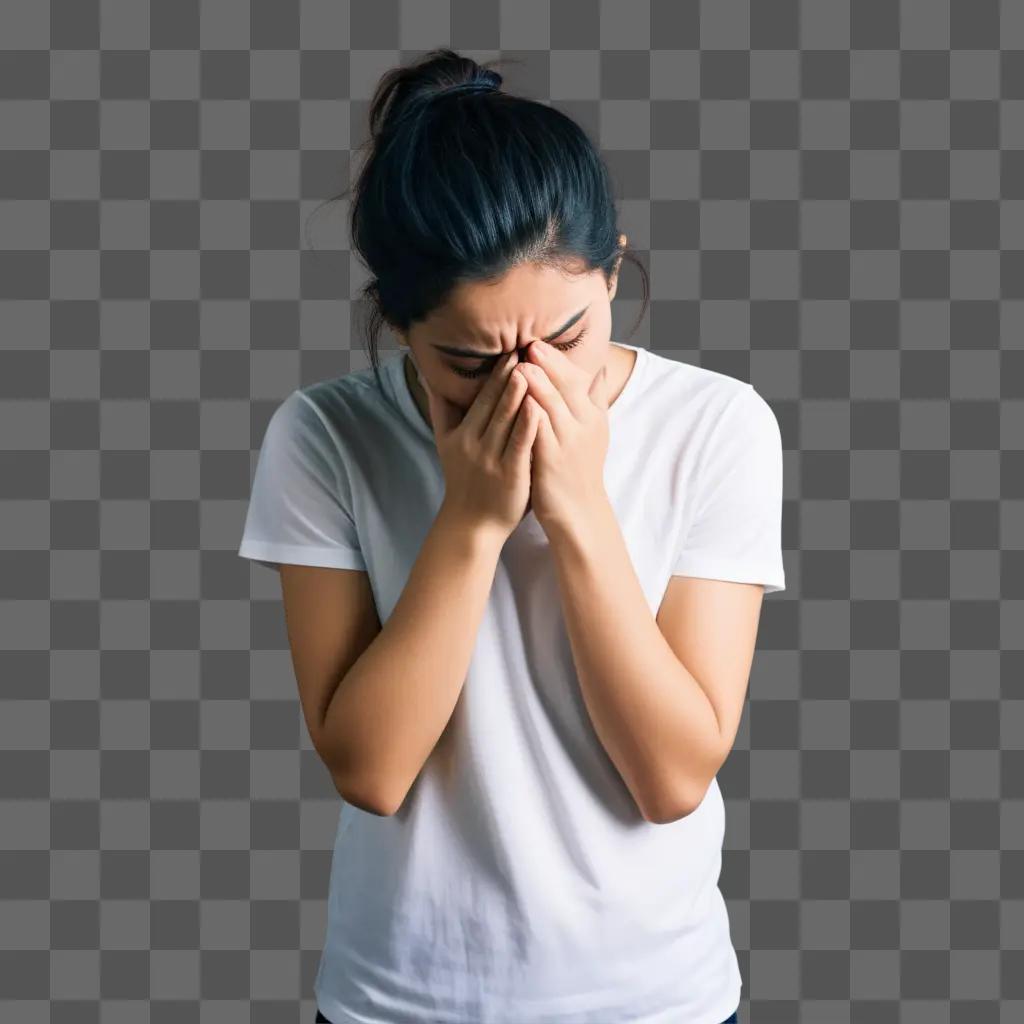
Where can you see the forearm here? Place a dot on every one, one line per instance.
(392, 706)
(650, 714)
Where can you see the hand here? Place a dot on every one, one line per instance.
(485, 452)
(567, 473)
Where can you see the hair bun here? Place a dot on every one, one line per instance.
(488, 80)
(438, 73)
(443, 69)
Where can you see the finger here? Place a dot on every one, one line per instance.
(546, 441)
(503, 420)
(566, 376)
(482, 409)
(548, 397)
(519, 448)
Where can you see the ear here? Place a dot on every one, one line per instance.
(613, 284)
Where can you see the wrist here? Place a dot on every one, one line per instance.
(589, 522)
(477, 536)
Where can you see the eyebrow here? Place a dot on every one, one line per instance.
(472, 353)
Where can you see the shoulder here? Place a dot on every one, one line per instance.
(746, 428)
(708, 424)
(328, 410)
(752, 413)
(353, 388)
(348, 406)
(698, 400)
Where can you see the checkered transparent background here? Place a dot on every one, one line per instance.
(829, 196)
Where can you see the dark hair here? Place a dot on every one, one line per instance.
(462, 182)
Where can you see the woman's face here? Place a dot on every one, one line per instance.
(456, 348)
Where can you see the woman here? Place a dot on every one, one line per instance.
(507, 555)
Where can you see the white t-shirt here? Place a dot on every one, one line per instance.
(518, 881)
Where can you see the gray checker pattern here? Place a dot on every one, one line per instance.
(830, 198)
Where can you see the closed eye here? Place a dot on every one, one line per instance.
(488, 364)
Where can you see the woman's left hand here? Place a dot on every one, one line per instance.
(567, 474)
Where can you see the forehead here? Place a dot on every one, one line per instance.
(528, 301)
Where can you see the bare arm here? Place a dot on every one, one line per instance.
(378, 699)
(379, 724)
(651, 715)
(331, 617)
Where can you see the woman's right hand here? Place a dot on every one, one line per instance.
(486, 453)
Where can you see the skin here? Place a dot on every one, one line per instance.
(528, 302)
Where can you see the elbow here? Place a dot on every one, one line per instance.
(364, 797)
(354, 788)
(667, 814)
(675, 799)
(669, 806)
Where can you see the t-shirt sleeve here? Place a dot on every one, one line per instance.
(297, 510)
(736, 531)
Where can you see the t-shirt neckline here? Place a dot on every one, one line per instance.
(395, 374)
